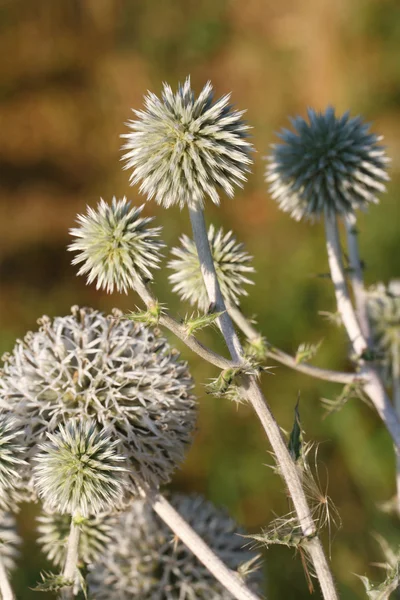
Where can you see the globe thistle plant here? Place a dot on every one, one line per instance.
(328, 164)
(183, 149)
(9, 540)
(79, 471)
(118, 373)
(231, 262)
(12, 465)
(115, 245)
(146, 562)
(95, 534)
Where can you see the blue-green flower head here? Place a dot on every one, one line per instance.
(182, 149)
(329, 164)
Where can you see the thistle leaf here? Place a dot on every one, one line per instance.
(306, 352)
(52, 582)
(195, 323)
(150, 317)
(296, 437)
(350, 391)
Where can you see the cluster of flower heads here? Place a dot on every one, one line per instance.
(106, 368)
(183, 149)
(328, 165)
(116, 245)
(231, 262)
(145, 561)
(13, 465)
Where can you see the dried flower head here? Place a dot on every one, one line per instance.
(118, 373)
(95, 535)
(9, 540)
(232, 264)
(383, 305)
(183, 149)
(146, 562)
(12, 465)
(330, 164)
(115, 245)
(79, 470)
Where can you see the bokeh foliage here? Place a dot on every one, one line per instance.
(70, 72)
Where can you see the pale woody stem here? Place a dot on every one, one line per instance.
(356, 276)
(229, 579)
(6, 592)
(373, 383)
(71, 562)
(285, 359)
(254, 395)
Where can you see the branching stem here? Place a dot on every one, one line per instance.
(254, 395)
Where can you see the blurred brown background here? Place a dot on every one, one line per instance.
(70, 72)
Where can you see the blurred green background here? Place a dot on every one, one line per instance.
(70, 72)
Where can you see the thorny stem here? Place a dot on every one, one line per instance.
(253, 393)
(286, 359)
(373, 383)
(71, 562)
(356, 276)
(5, 586)
(177, 329)
(396, 400)
(229, 579)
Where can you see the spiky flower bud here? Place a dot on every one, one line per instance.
(330, 164)
(12, 465)
(79, 470)
(9, 540)
(231, 262)
(115, 245)
(183, 149)
(146, 562)
(95, 534)
(383, 304)
(114, 371)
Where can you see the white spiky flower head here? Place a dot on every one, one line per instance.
(79, 471)
(183, 149)
(109, 369)
(383, 304)
(95, 534)
(9, 540)
(12, 463)
(116, 245)
(146, 562)
(329, 164)
(232, 264)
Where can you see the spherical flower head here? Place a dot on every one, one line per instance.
(231, 262)
(79, 471)
(116, 245)
(383, 304)
(12, 465)
(330, 165)
(183, 149)
(116, 372)
(9, 540)
(95, 533)
(146, 562)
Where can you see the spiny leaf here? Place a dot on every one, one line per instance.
(350, 391)
(296, 437)
(257, 349)
(383, 591)
(333, 318)
(52, 582)
(306, 352)
(284, 531)
(150, 317)
(221, 384)
(194, 323)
